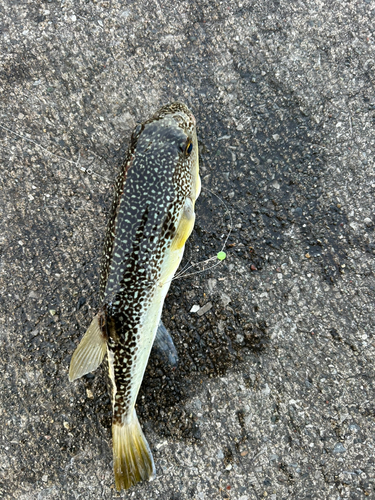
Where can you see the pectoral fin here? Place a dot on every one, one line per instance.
(185, 225)
(89, 353)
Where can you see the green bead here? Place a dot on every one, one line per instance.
(221, 255)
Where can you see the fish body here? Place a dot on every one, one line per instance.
(151, 218)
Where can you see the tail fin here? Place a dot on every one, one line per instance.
(132, 457)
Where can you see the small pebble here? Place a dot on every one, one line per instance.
(204, 309)
(195, 308)
(211, 284)
(354, 427)
(339, 448)
(253, 268)
(225, 298)
(367, 221)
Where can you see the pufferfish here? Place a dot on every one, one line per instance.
(151, 218)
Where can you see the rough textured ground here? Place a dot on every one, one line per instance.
(274, 394)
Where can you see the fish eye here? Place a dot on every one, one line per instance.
(189, 147)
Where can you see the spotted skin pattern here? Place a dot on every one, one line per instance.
(155, 190)
(151, 218)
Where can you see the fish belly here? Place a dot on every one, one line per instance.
(150, 323)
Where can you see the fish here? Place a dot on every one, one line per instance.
(152, 216)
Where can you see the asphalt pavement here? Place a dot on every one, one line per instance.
(274, 393)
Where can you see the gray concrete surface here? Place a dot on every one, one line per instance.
(274, 394)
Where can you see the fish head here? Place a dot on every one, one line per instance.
(187, 171)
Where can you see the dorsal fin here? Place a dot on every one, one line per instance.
(90, 351)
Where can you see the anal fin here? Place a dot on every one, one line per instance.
(89, 353)
(164, 346)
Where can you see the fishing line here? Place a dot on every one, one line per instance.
(76, 164)
(220, 256)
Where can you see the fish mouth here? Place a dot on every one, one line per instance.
(176, 110)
